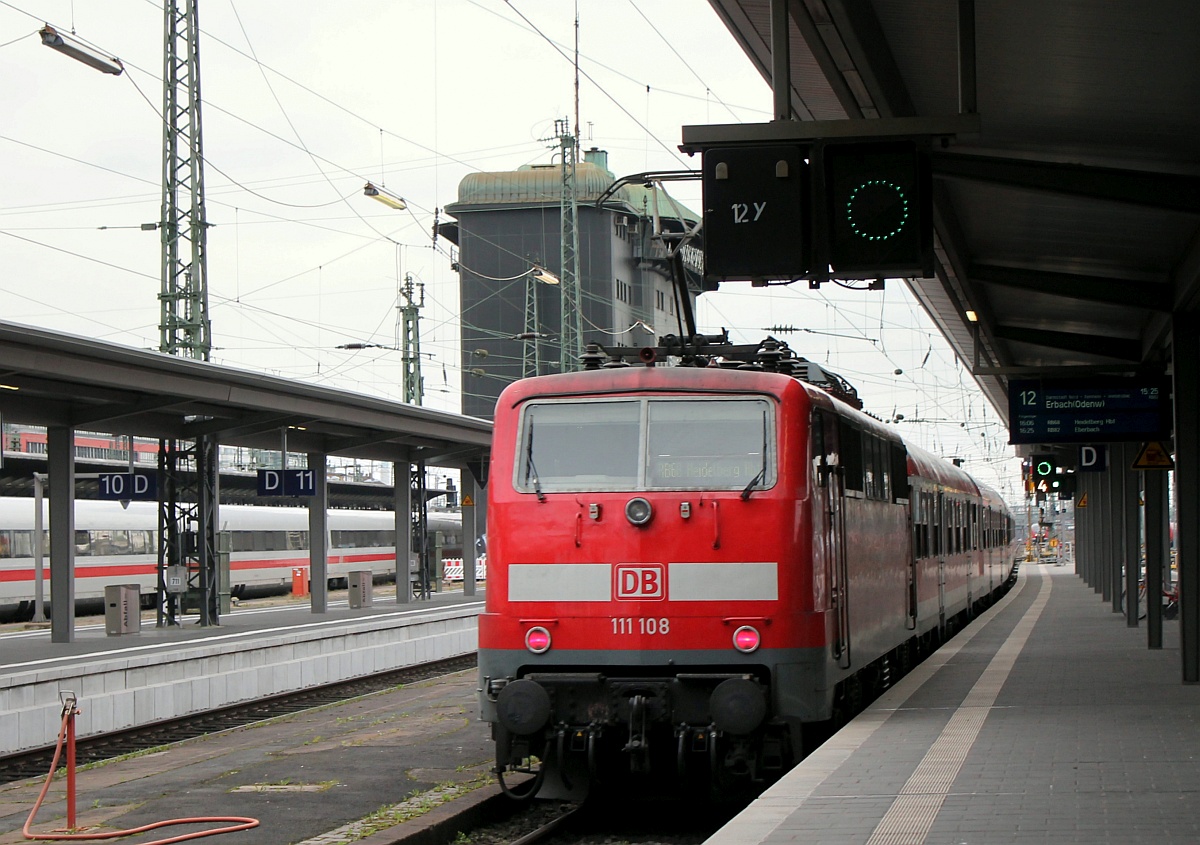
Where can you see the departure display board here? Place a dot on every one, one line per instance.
(1088, 410)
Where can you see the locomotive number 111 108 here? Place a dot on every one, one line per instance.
(640, 625)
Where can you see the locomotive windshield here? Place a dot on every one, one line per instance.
(658, 443)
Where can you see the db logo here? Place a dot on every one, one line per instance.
(640, 582)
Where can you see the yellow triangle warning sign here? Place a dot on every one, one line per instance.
(1154, 455)
(468, 502)
(1082, 503)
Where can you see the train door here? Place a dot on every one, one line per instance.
(831, 525)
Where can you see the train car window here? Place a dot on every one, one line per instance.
(935, 526)
(297, 540)
(16, 543)
(885, 470)
(898, 460)
(273, 541)
(713, 444)
(579, 446)
(916, 527)
(927, 525)
(869, 462)
(359, 539)
(851, 455)
(140, 543)
(83, 543)
(118, 543)
(958, 528)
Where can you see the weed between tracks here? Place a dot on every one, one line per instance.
(417, 805)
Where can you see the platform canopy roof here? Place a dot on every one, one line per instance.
(52, 379)
(1070, 222)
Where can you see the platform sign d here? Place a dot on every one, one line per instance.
(287, 482)
(1092, 459)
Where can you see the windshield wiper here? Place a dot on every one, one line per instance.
(530, 469)
(754, 482)
(762, 473)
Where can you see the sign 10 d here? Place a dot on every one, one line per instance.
(287, 482)
(127, 486)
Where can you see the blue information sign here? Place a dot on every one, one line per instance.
(128, 486)
(287, 482)
(1088, 410)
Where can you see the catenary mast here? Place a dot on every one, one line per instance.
(187, 547)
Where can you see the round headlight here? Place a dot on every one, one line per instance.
(746, 639)
(537, 640)
(638, 511)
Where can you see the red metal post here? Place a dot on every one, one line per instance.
(71, 713)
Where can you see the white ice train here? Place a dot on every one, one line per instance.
(115, 545)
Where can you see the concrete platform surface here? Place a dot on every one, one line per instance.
(1046, 721)
(305, 777)
(164, 673)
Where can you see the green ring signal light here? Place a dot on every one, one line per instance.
(872, 200)
(1044, 467)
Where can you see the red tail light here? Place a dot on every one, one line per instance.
(745, 639)
(537, 640)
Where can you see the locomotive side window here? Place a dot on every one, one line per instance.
(646, 443)
(819, 458)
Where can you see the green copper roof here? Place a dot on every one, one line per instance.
(542, 184)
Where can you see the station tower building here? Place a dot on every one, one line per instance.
(507, 229)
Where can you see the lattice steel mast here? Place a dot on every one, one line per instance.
(531, 338)
(184, 327)
(188, 470)
(570, 323)
(408, 327)
(410, 344)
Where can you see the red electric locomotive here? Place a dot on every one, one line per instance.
(687, 565)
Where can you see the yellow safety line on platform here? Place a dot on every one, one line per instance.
(911, 816)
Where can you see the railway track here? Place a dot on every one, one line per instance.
(601, 821)
(117, 744)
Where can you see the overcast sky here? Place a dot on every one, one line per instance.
(305, 101)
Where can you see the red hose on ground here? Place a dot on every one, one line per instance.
(238, 822)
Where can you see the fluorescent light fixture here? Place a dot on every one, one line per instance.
(79, 51)
(8, 387)
(972, 317)
(384, 196)
(544, 276)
